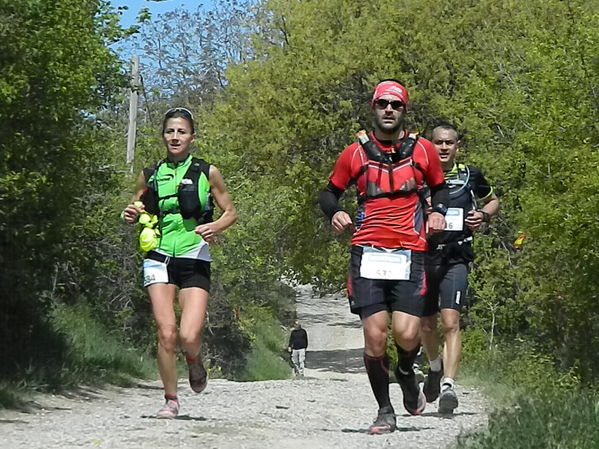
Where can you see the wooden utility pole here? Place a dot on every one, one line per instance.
(133, 96)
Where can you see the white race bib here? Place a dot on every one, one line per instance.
(454, 219)
(154, 272)
(387, 264)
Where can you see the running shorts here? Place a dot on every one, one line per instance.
(181, 271)
(447, 287)
(369, 296)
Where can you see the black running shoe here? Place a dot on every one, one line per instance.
(432, 385)
(198, 377)
(414, 400)
(384, 422)
(448, 401)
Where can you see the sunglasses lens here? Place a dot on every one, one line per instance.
(382, 104)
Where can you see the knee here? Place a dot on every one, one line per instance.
(408, 339)
(428, 324)
(167, 337)
(451, 325)
(189, 339)
(375, 342)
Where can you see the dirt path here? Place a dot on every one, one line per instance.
(330, 408)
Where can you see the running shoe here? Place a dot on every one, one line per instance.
(448, 401)
(414, 400)
(169, 410)
(384, 422)
(419, 375)
(198, 377)
(432, 385)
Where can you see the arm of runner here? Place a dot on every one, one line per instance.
(490, 208)
(435, 179)
(222, 199)
(484, 192)
(131, 212)
(439, 200)
(328, 200)
(343, 171)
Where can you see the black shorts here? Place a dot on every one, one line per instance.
(447, 287)
(182, 272)
(369, 296)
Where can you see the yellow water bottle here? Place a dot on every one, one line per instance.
(149, 233)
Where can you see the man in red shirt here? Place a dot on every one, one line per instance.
(389, 166)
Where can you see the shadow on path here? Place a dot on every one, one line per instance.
(337, 360)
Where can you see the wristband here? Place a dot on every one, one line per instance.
(486, 216)
(441, 208)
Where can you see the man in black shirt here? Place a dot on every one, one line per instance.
(298, 342)
(471, 202)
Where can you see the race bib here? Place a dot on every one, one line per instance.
(387, 264)
(154, 272)
(454, 219)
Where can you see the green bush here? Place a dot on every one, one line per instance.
(537, 404)
(94, 352)
(514, 364)
(77, 350)
(268, 347)
(549, 420)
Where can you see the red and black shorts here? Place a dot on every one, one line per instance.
(369, 296)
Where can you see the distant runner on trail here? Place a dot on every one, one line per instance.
(389, 167)
(447, 263)
(177, 193)
(298, 343)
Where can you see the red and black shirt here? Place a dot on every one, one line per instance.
(395, 221)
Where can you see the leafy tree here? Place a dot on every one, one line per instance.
(58, 72)
(519, 77)
(185, 54)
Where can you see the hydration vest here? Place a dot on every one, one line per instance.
(460, 191)
(193, 193)
(388, 174)
(455, 245)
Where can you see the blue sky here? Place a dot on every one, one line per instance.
(155, 7)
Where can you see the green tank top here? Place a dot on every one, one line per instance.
(177, 236)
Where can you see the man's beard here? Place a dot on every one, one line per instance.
(388, 128)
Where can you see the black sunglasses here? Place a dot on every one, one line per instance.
(382, 104)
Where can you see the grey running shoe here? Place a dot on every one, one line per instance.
(384, 422)
(432, 385)
(419, 375)
(448, 401)
(414, 400)
(169, 410)
(198, 377)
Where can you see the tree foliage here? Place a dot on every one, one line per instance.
(520, 78)
(57, 72)
(185, 53)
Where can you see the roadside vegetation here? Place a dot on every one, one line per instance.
(535, 404)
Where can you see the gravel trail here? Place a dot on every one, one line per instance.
(330, 408)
